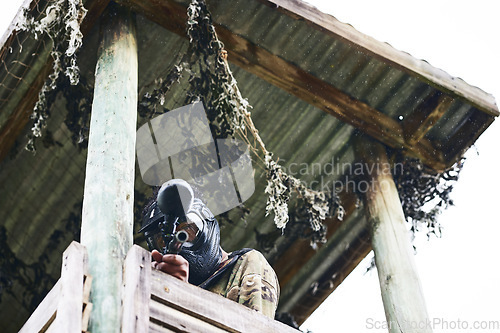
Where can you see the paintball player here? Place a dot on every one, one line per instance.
(184, 237)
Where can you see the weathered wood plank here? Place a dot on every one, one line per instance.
(45, 312)
(69, 308)
(208, 306)
(48, 324)
(179, 321)
(51, 329)
(87, 311)
(87, 285)
(423, 119)
(87, 306)
(137, 290)
(402, 294)
(155, 328)
(385, 52)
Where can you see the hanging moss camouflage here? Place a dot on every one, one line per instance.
(62, 25)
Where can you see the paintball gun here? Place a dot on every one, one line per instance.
(166, 225)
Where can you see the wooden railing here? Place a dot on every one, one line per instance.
(152, 302)
(66, 308)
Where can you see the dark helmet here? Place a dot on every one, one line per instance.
(180, 211)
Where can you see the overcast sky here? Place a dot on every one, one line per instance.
(459, 272)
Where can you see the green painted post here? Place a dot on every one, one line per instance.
(402, 294)
(107, 218)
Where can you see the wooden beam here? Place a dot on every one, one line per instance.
(421, 69)
(329, 257)
(168, 14)
(326, 97)
(45, 313)
(459, 142)
(427, 114)
(300, 252)
(402, 295)
(108, 210)
(297, 82)
(20, 116)
(332, 278)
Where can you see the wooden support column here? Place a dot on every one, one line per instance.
(402, 295)
(107, 218)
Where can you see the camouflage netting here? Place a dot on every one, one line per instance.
(212, 82)
(424, 193)
(61, 24)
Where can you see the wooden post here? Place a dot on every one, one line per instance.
(61, 309)
(137, 290)
(107, 218)
(69, 308)
(404, 303)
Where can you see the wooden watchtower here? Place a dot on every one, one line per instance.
(321, 93)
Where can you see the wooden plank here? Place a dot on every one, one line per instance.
(155, 328)
(427, 114)
(137, 290)
(69, 308)
(297, 82)
(326, 23)
(107, 214)
(178, 321)
(87, 311)
(87, 285)
(45, 312)
(51, 329)
(208, 306)
(87, 306)
(402, 293)
(48, 324)
(329, 255)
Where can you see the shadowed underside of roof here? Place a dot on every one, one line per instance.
(312, 82)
